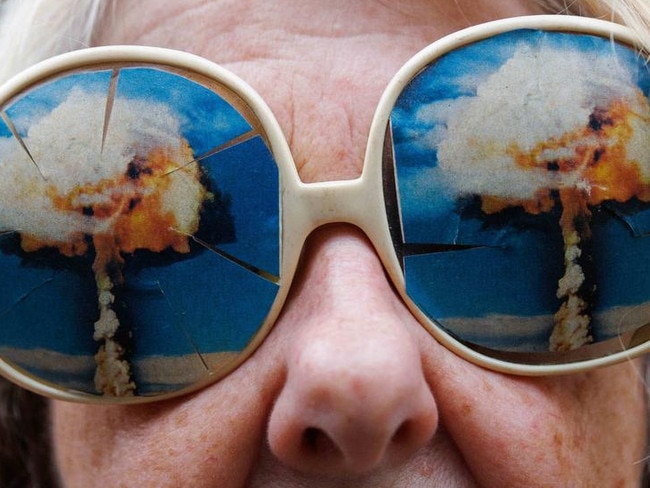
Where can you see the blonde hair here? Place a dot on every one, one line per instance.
(633, 13)
(33, 30)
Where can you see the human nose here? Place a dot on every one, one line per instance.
(355, 395)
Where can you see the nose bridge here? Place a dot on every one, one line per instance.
(307, 206)
(359, 202)
(334, 201)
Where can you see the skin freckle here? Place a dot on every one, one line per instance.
(466, 409)
(181, 419)
(558, 440)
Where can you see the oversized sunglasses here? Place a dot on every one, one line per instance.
(152, 218)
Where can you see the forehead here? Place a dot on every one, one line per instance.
(321, 67)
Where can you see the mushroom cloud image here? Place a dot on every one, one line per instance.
(116, 191)
(551, 128)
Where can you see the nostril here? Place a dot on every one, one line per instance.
(310, 438)
(402, 434)
(316, 442)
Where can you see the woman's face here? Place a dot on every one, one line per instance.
(348, 389)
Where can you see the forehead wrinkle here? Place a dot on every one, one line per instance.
(321, 70)
(323, 101)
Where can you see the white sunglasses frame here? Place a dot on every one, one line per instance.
(305, 207)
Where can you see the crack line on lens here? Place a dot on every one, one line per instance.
(249, 267)
(232, 142)
(110, 100)
(26, 295)
(186, 333)
(411, 249)
(20, 140)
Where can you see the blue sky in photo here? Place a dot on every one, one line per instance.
(39, 101)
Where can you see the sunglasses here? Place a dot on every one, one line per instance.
(152, 218)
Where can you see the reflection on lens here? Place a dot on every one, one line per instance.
(135, 258)
(523, 171)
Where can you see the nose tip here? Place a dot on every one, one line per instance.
(342, 417)
(355, 397)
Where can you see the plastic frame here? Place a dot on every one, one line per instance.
(305, 207)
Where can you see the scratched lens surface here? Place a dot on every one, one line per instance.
(139, 229)
(522, 166)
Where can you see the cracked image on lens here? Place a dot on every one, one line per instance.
(139, 229)
(521, 162)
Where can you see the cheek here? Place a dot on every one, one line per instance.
(586, 428)
(211, 438)
(169, 449)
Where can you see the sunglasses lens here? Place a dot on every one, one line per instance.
(139, 212)
(522, 170)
